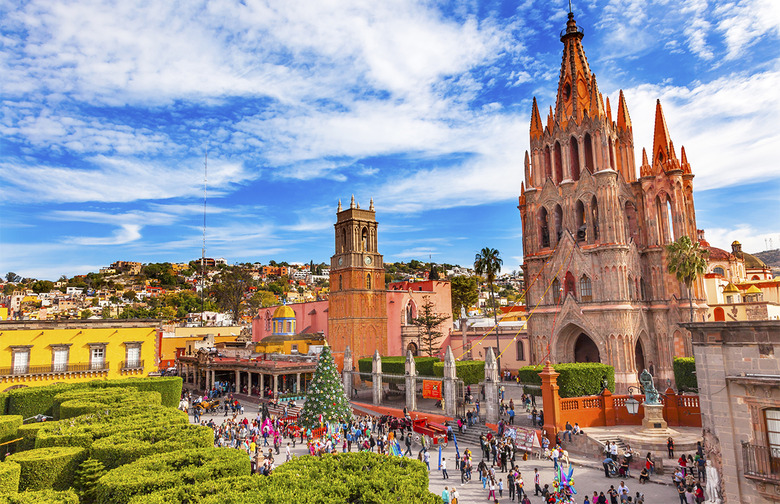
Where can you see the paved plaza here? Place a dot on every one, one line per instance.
(586, 479)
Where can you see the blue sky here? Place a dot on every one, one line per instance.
(109, 107)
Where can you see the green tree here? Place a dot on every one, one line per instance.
(686, 260)
(8, 289)
(85, 314)
(325, 395)
(427, 322)
(465, 293)
(488, 263)
(230, 291)
(12, 277)
(129, 295)
(86, 477)
(42, 286)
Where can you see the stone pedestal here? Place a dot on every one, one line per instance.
(491, 387)
(449, 384)
(654, 419)
(410, 380)
(376, 378)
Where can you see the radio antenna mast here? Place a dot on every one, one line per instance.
(203, 249)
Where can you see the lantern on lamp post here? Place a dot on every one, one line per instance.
(632, 405)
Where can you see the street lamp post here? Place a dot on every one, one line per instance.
(632, 405)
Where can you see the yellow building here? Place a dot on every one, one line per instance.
(35, 353)
(284, 339)
(174, 342)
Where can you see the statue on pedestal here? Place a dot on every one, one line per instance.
(713, 482)
(651, 394)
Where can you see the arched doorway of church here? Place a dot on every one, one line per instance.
(720, 315)
(412, 347)
(585, 350)
(639, 356)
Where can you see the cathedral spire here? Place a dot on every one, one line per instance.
(352, 202)
(371, 205)
(536, 121)
(661, 137)
(339, 208)
(574, 83)
(623, 120)
(686, 167)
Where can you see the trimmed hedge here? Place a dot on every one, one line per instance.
(471, 372)
(397, 365)
(338, 478)
(576, 379)
(48, 468)
(169, 387)
(87, 393)
(3, 402)
(9, 427)
(31, 401)
(9, 477)
(167, 470)
(87, 405)
(685, 373)
(41, 496)
(83, 430)
(126, 447)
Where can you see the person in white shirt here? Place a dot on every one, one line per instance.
(622, 491)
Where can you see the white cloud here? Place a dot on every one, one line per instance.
(117, 180)
(125, 234)
(752, 239)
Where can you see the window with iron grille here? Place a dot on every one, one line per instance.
(772, 417)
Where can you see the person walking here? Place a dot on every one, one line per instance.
(444, 468)
(454, 495)
(445, 496)
(537, 482)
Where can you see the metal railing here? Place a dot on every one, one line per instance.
(759, 462)
(132, 365)
(47, 369)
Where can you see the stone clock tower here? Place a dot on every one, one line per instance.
(357, 306)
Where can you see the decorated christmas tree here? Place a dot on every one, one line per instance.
(325, 399)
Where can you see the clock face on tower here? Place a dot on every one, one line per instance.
(367, 260)
(341, 261)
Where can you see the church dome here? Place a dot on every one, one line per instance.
(284, 311)
(752, 261)
(753, 290)
(730, 288)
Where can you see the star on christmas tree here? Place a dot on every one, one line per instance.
(325, 395)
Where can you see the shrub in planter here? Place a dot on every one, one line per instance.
(397, 365)
(471, 372)
(48, 468)
(167, 470)
(576, 379)
(127, 446)
(685, 373)
(9, 477)
(40, 497)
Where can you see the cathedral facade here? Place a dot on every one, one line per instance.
(594, 233)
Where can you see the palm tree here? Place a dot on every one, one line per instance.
(686, 260)
(487, 263)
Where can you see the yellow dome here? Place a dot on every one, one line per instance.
(753, 290)
(284, 311)
(731, 288)
(735, 242)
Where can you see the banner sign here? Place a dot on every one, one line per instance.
(431, 389)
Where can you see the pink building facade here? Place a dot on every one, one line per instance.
(404, 300)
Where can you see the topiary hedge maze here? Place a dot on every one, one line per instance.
(576, 379)
(48, 468)
(119, 445)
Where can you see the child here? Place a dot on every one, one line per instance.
(500, 487)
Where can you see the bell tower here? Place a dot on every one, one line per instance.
(357, 305)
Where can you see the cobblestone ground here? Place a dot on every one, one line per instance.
(586, 480)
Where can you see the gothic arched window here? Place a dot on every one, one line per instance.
(544, 228)
(364, 240)
(568, 285)
(590, 163)
(341, 285)
(718, 271)
(556, 291)
(558, 163)
(368, 281)
(579, 221)
(586, 293)
(594, 210)
(558, 218)
(547, 164)
(574, 158)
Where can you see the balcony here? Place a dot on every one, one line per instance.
(760, 464)
(133, 365)
(52, 369)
